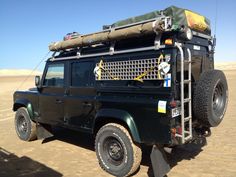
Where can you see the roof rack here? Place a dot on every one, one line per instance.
(79, 56)
(111, 51)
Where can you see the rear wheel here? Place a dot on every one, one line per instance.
(210, 98)
(25, 127)
(116, 152)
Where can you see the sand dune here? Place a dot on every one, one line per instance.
(18, 72)
(226, 65)
(26, 72)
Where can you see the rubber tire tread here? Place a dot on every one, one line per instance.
(32, 133)
(202, 97)
(137, 152)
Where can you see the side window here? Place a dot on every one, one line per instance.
(54, 76)
(82, 74)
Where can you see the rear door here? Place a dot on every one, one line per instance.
(79, 102)
(51, 100)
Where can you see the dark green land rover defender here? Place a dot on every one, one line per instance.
(144, 80)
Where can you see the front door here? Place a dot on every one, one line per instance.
(51, 100)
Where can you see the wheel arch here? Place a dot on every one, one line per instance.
(122, 117)
(24, 103)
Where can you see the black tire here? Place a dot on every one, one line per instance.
(115, 150)
(24, 126)
(210, 98)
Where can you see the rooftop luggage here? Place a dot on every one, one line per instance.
(170, 19)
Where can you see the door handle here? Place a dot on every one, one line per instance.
(66, 92)
(87, 104)
(58, 101)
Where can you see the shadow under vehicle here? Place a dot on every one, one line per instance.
(11, 165)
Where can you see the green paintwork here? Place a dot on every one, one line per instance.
(134, 105)
(120, 115)
(25, 103)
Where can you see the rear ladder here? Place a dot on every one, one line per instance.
(186, 101)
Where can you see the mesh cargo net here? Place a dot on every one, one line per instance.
(142, 69)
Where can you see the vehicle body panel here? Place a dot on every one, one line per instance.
(132, 103)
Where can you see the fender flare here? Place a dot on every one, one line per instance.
(120, 115)
(24, 103)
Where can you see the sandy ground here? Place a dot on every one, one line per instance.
(18, 72)
(71, 154)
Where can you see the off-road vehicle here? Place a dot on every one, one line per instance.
(144, 80)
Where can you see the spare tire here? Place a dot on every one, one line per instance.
(210, 98)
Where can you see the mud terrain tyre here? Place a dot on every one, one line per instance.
(210, 98)
(116, 152)
(25, 127)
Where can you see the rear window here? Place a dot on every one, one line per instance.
(82, 74)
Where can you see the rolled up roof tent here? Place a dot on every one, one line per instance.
(170, 19)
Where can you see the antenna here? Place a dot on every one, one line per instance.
(216, 16)
(27, 77)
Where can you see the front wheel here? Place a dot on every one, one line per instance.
(25, 127)
(116, 152)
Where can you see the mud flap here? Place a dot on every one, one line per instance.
(160, 165)
(43, 131)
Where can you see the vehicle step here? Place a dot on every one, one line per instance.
(178, 135)
(188, 138)
(186, 119)
(187, 81)
(187, 61)
(187, 132)
(187, 100)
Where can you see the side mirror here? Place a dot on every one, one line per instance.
(37, 81)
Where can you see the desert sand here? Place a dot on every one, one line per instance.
(18, 72)
(71, 154)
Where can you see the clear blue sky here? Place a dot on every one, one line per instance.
(28, 26)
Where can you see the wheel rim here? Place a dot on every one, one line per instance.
(218, 102)
(22, 125)
(114, 151)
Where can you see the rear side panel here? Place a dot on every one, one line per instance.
(202, 59)
(153, 127)
(147, 102)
